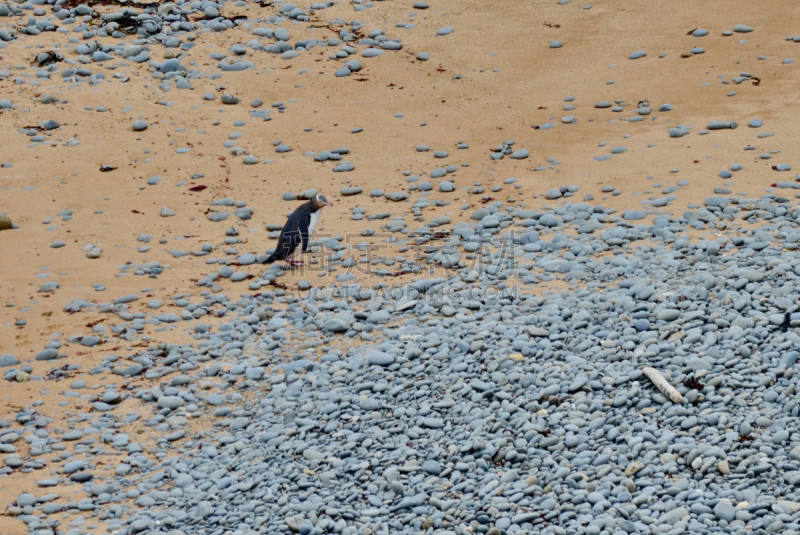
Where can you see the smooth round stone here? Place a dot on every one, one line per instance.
(391, 45)
(638, 54)
(344, 167)
(250, 160)
(780, 436)
(447, 187)
(379, 358)
(595, 498)
(74, 466)
(553, 194)
(689, 422)
(247, 259)
(372, 52)
(783, 167)
(440, 154)
(396, 196)
(700, 32)
(755, 123)
(255, 373)
(619, 150)
(424, 56)
(26, 500)
(351, 190)
(447, 30)
(742, 28)
(431, 467)
(567, 119)
(282, 34)
(337, 325)
(8, 360)
(433, 423)
(548, 220)
(603, 104)
(520, 154)
(556, 44)
(420, 5)
(669, 314)
(724, 510)
(725, 174)
(341, 73)
(139, 126)
(170, 402)
(47, 354)
(90, 341)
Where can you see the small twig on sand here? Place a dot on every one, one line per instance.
(662, 384)
(466, 8)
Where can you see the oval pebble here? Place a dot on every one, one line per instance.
(344, 167)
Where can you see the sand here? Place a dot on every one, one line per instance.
(509, 80)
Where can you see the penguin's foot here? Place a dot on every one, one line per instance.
(296, 263)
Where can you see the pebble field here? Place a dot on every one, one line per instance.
(558, 291)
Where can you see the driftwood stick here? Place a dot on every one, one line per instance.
(662, 384)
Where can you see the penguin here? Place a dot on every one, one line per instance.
(298, 228)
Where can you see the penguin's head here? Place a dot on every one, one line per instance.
(320, 201)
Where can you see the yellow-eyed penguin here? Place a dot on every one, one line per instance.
(298, 228)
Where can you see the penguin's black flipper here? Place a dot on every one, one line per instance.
(304, 223)
(288, 241)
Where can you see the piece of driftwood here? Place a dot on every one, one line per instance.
(662, 384)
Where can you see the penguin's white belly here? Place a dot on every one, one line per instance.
(312, 225)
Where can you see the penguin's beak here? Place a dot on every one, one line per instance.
(328, 203)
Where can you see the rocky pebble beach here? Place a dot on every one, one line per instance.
(554, 294)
